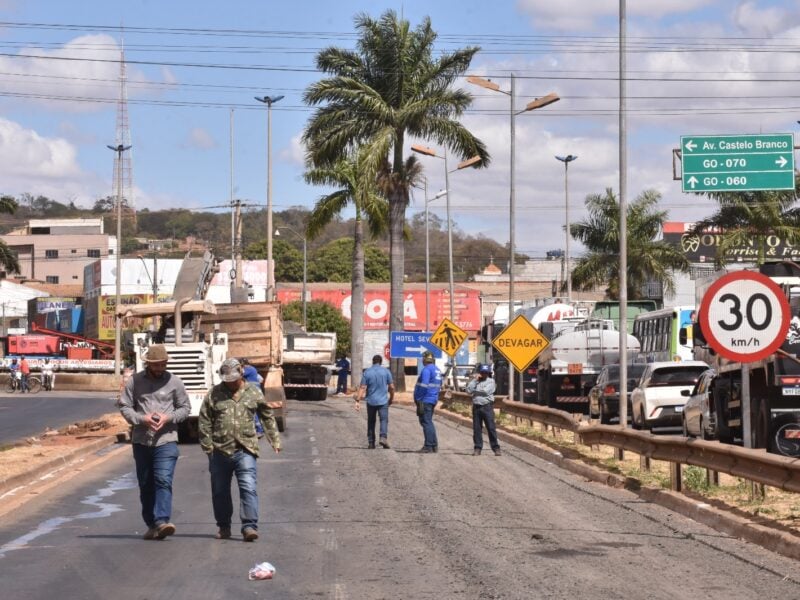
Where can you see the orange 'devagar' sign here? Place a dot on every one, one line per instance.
(520, 342)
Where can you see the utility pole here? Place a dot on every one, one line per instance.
(119, 149)
(238, 243)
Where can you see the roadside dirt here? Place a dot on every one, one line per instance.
(34, 451)
(732, 493)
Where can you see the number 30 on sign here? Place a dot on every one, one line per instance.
(744, 316)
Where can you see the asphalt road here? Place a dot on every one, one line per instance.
(23, 415)
(339, 521)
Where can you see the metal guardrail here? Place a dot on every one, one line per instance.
(754, 465)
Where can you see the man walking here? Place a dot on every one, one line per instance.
(154, 401)
(378, 387)
(228, 437)
(482, 387)
(426, 395)
(343, 365)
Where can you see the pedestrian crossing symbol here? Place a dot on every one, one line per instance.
(448, 336)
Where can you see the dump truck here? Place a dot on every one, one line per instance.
(308, 360)
(254, 332)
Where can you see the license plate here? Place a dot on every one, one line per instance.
(678, 409)
(795, 391)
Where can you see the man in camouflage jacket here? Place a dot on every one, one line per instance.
(228, 436)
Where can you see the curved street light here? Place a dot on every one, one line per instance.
(566, 160)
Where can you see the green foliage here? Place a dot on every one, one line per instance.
(288, 259)
(131, 245)
(334, 262)
(695, 479)
(321, 317)
(649, 258)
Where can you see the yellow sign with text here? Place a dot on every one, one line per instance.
(520, 342)
(448, 336)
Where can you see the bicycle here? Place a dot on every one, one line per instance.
(15, 383)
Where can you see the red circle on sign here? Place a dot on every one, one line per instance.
(725, 350)
(386, 352)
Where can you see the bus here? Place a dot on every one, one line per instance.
(658, 333)
(609, 309)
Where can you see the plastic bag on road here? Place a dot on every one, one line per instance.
(262, 570)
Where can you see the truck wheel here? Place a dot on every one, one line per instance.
(761, 435)
(604, 418)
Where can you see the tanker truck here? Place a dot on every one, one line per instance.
(569, 366)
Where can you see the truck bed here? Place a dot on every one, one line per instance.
(254, 331)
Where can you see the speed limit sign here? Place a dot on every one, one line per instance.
(744, 316)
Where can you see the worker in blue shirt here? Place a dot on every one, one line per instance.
(343, 366)
(377, 387)
(426, 395)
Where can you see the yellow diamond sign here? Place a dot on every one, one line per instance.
(448, 336)
(520, 342)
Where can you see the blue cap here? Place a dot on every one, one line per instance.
(484, 369)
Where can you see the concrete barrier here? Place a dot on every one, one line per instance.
(79, 382)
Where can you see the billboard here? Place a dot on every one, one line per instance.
(702, 247)
(57, 313)
(466, 305)
(99, 315)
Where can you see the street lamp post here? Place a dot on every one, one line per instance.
(532, 105)
(462, 165)
(119, 149)
(269, 101)
(305, 265)
(566, 160)
(427, 257)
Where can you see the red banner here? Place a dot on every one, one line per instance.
(466, 304)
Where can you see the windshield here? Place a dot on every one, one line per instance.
(634, 371)
(676, 375)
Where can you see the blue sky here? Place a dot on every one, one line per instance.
(733, 66)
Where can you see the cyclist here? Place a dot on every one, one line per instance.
(48, 376)
(15, 374)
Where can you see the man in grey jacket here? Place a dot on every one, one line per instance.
(154, 401)
(482, 387)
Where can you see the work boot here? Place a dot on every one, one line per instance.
(224, 533)
(150, 534)
(476, 452)
(249, 534)
(497, 452)
(371, 446)
(426, 450)
(164, 530)
(384, 443)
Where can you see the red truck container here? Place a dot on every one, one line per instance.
(33, 344)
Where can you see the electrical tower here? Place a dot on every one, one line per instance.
(123, 168)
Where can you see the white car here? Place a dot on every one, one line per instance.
(658, 400)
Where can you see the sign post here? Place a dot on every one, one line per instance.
(744, 317)
(737, 163)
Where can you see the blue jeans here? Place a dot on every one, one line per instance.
(428, 429)
(155, 468)
(222, 469)
(24, 383)
(382, 412)
(480, 415)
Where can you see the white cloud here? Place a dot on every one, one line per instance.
(296, 152)
(200, 139)
(39, 165)
(583, 14)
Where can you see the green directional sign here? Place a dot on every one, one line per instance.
(737, 163)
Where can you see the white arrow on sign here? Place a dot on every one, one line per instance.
(419, 349)
(781, 162)
(690, 145)
(692, 181)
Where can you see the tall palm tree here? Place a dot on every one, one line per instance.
(745, 217)
(649, 258)
(345, 175)
(8, 206)
(387, 89)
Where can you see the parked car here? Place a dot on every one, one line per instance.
(699, 417)
(658, 400)
(604, 396)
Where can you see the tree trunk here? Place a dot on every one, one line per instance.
(357, 306)
(397, 218)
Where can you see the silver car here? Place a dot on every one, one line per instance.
(699, 419)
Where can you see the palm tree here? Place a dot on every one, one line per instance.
(649, 258)
(345, 174)
(8, 206)
(387, 89)
(745, 217)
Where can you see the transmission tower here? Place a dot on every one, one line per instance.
(123, 167)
